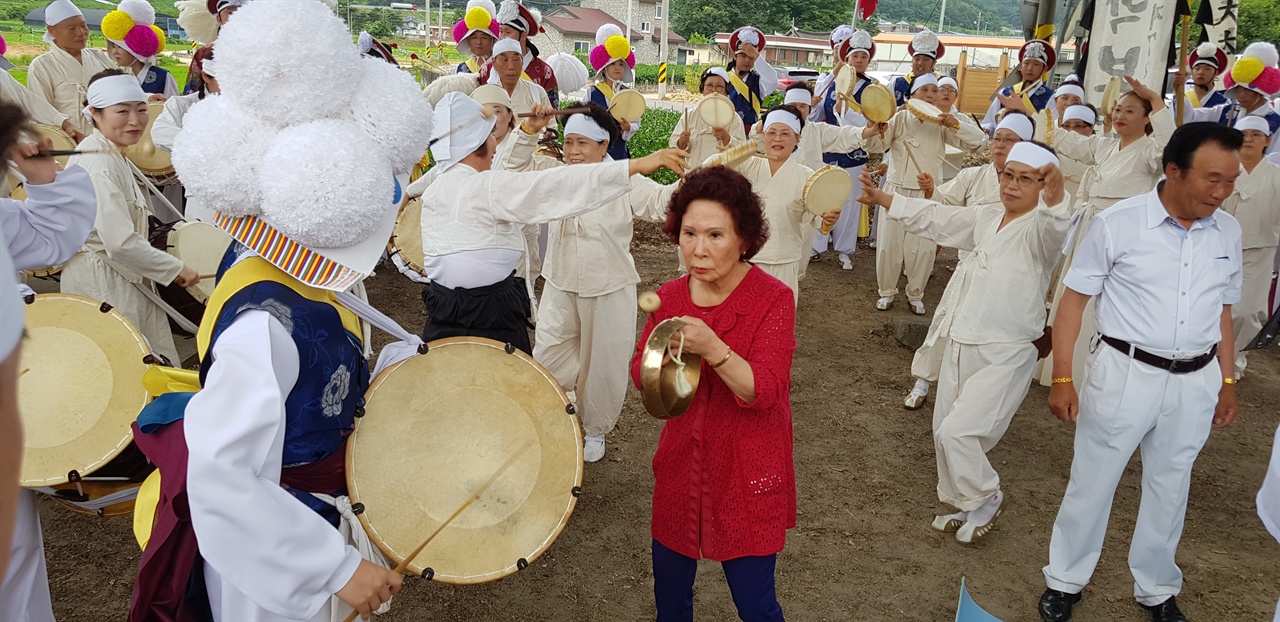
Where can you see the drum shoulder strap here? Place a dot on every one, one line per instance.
(252, 270)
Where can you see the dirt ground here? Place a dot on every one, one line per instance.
(863, 549)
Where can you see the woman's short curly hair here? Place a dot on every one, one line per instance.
(730, 189)
(13, 123)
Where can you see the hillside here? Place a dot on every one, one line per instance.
(962, 14)
(15, 10)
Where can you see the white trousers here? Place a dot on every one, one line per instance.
(788, 273)
(899, 252)
(1126, 405)
(844, 234)
(587, 343)
(979, 390)
(24, 595)
(1248, 315)
(228, 603)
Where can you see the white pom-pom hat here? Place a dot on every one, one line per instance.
(925, 43)
(1208, 54)
(314, 188)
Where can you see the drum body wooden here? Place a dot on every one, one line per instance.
(924, 111)
(406, 238)
(81, 390)
(1110, 95)
(627, 105)
(439, 425)
(201, 246)
(716, 110)
(153, 161)
(658, 381)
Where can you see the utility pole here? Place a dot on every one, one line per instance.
(628, 35)
(942, 18)
(662, 45)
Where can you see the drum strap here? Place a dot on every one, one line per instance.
(173, 314)
(745, 91)
(1194, 99)
(1022, 89)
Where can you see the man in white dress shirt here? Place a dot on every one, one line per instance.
(1165, 267)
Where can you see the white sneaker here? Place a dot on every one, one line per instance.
(949, 523)
(845, 262)
(884, 303)
(917, 306)
(982, 520)
(592, 448)
(918, 396)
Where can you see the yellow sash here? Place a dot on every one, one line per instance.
(605, 90)
(473, 65)
(1026, 101)
(745, 91)
(1194, 99)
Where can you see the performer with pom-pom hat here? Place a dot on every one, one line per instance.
(1031, 95)
(521, 23)
(134, 40)
(249, 461)
(36, 108)
(201, 19)
(925, 50)
(751, 78)
(61, 75)
(1251, 83)
(614, 62)
(475, 34)
(1207, 62)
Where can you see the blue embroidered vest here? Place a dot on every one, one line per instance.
(617, 150)
(743, 106)
(857, 157)
(155, 81)
(1039, 97)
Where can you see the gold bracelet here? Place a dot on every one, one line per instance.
(727, 355)
(1228, 381)
(1067, 380)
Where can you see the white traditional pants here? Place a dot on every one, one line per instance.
(899, 252)
(587, 343)
(1248, 315)
(1127, 405)
(979, 390)
(24, 595)
(788, 273)
(844, 235)
(926, 363)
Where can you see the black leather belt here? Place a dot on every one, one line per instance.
(1183, 366)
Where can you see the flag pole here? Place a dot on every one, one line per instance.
(1179, 101)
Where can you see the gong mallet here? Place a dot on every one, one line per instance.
(559, 113)
(403, 567)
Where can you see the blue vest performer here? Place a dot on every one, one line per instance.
(1031, 95)
(134, 41)
(925, 50)
(1251, 83)
(751, 78)
(475, 34)
(1206, 63)
(856, 51)
(614, 63)
(251, 456)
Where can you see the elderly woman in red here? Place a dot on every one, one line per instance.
(724, 474)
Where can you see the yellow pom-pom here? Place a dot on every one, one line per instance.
(477, 17)
(617, 46)
(116, 24)
(160, 36)
(1247, 69)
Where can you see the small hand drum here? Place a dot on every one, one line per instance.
(1110, 95)
(926, 112)
(828, 188)
(716, 110)
(406, 239)
(201, 246)
(61, 140)
(878, 104)
(627, 105)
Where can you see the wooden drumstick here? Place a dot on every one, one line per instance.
(208, 276)
(558, 113)
(911, 154)
(57, 153)
(403, 567)
(485, 113)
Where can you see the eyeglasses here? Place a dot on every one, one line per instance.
(1020, 181)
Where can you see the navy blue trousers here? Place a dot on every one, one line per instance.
(750, 581)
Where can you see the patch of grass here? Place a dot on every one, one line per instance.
(655, 133)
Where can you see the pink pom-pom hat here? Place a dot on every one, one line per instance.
(142, 41)
(1267, 83)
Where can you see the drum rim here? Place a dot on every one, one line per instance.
(818, 175)
(111, 454)
(392, 248)
(353, 490)
(722, 103)
(886, 97)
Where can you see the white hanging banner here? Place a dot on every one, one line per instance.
(1129, 37)
(1225, 15)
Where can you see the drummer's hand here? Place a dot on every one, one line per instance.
(871, 194)
(883, 169)
(874, 129)
(157, 98)
(70, 129)
(949, 120)
(1053, 192)
(1140, 89)
(1011, 102)
(722, 136)
(187, 278)
(38, 171)
(677, 160)
(925, 181)
(369, 587)
(542, 116)
(699, 339)
(683, 141)
(829, 219)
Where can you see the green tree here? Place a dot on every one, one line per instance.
(1258, 21)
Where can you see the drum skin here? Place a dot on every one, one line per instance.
(716, 110)
(436, 427)
(828, 188)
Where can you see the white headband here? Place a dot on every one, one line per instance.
(1253, 122)
(948, 80)
(112, 90)
(1070, 89)
(506, 45)
(922, 80)
(585, 126)
(1018, 124)
(719, 71)
(57, 12)
(783, 117)
(1032, 155)
(798, 96)
(1080, 113)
